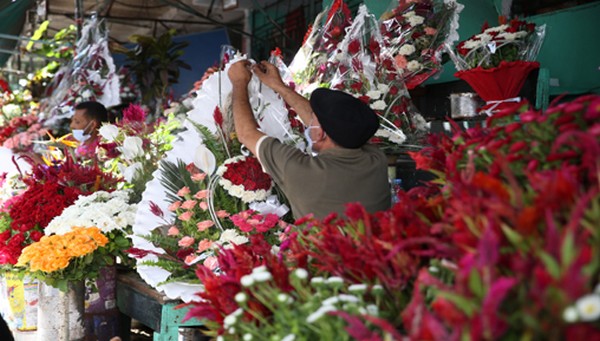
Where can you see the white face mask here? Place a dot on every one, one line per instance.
(80, 135)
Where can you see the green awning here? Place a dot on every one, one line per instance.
(12, 19)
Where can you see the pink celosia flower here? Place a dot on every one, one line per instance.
(174, 206)
(204, 225)
(185, 216)
(183, 191)
(204, 245)
(201, 194)
(186, 241)
(188, 204)
(173, 231)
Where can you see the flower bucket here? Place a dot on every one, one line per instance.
(19, 301)
(60, 314)
(498, 86)
(101, 317)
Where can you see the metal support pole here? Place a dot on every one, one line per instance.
(79, 16)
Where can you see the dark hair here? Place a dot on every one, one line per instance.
(94, 110)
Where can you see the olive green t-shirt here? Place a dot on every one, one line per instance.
(325, 183)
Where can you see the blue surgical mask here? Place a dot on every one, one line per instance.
(80, 135)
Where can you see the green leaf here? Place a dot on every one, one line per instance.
(467, 305)
(476, 284)
(567, 250)
(513, 236)
(550, 263)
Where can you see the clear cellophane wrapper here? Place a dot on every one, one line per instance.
(415, 33)
(370, 74)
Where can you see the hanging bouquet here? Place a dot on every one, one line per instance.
(90, 75)
(132, 148)
(59, 259)
(497, 61)
(50, 189)
(310, 65)
(414, 33)
(372, 76)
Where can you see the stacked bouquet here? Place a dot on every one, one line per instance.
(415, 33)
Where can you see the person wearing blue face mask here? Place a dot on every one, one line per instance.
(341, 167)
(86, 121)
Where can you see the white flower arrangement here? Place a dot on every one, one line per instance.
(107, 211)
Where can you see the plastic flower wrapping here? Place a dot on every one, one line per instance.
(90, 76)
(514, 40)
(363, 70)
(202, 213)
(310, 66)
(415, 33)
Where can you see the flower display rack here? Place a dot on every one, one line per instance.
(136, 300)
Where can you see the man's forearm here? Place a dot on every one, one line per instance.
(246, 127)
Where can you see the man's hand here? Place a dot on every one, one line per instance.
(268, 74)
(239, 73)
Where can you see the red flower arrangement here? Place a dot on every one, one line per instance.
(50, 190)
(243, 177)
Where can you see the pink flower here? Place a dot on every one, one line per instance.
(186, 241)
(204, 225)
(188, 204)
(211, 262)
(184, 191)
(189, 259)
(186, 216)
(204, 245)
(173, 231)
(430, 31)
(222, 214)
(203, 205)
(198, 176)
(201, 194)
(401, 61)
(174, 206)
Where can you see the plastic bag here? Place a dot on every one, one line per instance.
(414, 34)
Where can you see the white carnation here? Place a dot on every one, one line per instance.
(378, 105)
(407, 50)
(415, 20)
(413, 66)
(374, 94)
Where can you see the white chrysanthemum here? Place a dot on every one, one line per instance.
(247, 280)
(86, 94)
(11, 110)
(414, 66)
(319, 313)
(357, 288)
(484, 37)
(374, 94)
(289, 337)
(301, 273)
(415, 20)
(384, 88)
(348, 298)
(588, 307)
(262, 276)
(407, 50)
(378, 105)
(570, 315)
(473, 44)
(241, 297)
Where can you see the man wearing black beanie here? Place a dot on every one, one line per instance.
(347, 169)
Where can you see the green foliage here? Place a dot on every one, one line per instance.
(156, 63)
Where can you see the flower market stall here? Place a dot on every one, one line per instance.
(173, 222)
